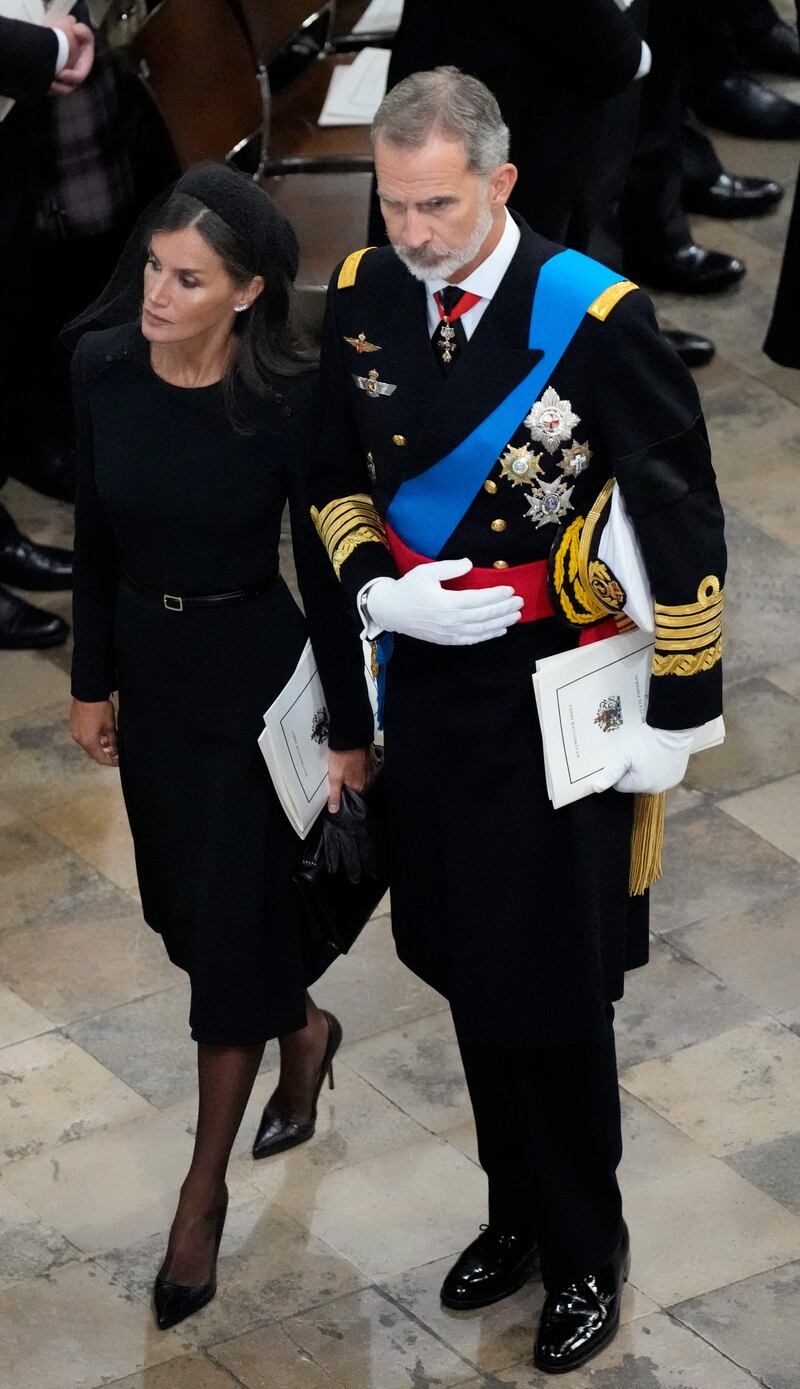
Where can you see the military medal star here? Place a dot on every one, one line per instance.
(551, 420)
(575, 460)
(550, 502)
(520, 465)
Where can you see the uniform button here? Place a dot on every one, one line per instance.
(498, 526)
(400, 440)
(500, 564)
(490, 486)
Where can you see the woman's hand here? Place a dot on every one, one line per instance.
(94, 728)
(354, 768)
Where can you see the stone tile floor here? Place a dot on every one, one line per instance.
(333, 1254)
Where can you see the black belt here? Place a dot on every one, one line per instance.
(175, 603)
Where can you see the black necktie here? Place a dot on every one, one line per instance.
(449, 338)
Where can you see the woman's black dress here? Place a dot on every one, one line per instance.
(172, 496)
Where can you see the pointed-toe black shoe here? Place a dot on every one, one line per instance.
(174, 1302)
(494, 1266)
(276, 1134)
(579, 1320)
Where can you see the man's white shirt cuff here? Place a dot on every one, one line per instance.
(63, 50)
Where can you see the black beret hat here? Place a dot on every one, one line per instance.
(248, 210)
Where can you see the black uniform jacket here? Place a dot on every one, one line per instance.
(28, 56)
(549, 63)
(638, 419)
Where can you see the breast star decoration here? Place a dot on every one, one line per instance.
(520, 465)
(549, 503)
(575, 460)
(551, 421)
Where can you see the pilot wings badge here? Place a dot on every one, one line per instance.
(361, 345)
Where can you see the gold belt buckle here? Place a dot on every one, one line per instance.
(173, 603)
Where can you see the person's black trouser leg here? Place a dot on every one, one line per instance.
(699, 160)
(549, 1140)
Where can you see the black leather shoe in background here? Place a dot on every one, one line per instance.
(744, 106)
(42, 568)
(579, 1320)
(733, 195)
(25, 628)
(693, 349)
(690, 270)
(495, 1265)
(775, 50)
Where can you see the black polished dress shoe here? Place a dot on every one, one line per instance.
(693, 349)
(276, 1134)
(579, 1320)
(733, 195)
(775, 50)
(691, 270)
(744, 106)
(25, 564)
(25, 628)
(174, 1302)
(494, 1266)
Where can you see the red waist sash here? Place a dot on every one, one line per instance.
(529, 582)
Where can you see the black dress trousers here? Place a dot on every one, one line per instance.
(549, 1141)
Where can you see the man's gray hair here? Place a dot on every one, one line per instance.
(444, 102)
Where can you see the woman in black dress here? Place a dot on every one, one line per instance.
(195, 425)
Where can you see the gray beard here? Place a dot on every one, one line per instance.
(447, 267)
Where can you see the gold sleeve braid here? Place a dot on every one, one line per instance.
(689, 636)
(347, 522)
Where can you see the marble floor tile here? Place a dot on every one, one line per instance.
(464, 1138)
(680, 798)
(493, 1337)
(370, 991)
(784, 380)
(671, 1004)
(29, 1246)
(40, 760)
(41, 882)
(762, 741)
(46, 963)
(18, 1020)
(52, 1093)
(365, 1341)
(652, 1146)
(774, 1168)
(95, 826)
(650, 1353)
(76, 1328)
(754, 1323)
(110, 1188)
(395, 1212)
(269, 1268)
(418, 1068)
(29, 681)
(714, 865)
(772, 811)
(146, 1043)
(189, 1372)
(270, 1359)
(787, 677)
(729, 1092)
(748, 421)
(756, 951)
(761, 628)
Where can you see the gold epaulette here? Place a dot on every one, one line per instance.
(609, 299)
(689, 636)
(347, 522)
(349, 270)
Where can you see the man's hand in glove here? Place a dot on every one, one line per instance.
(418, 606)
(654, 760)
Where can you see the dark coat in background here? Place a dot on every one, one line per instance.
(783, 338)
(550, 64)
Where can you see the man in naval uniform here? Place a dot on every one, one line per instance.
(481, 390)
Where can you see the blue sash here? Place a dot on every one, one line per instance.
(426, 510)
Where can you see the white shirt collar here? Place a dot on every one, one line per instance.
(486, 278)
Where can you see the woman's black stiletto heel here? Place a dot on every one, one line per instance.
(174, 1302)
(275, 1134)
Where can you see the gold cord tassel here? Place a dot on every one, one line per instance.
(647, 842)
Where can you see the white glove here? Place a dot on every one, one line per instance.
(417, 606)
(654, 760)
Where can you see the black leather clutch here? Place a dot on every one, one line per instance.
(343, 872)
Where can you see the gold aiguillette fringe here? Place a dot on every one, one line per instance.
(647, 842)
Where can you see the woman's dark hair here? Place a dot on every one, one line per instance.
(269, 338)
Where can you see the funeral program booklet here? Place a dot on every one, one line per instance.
(590, 700)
